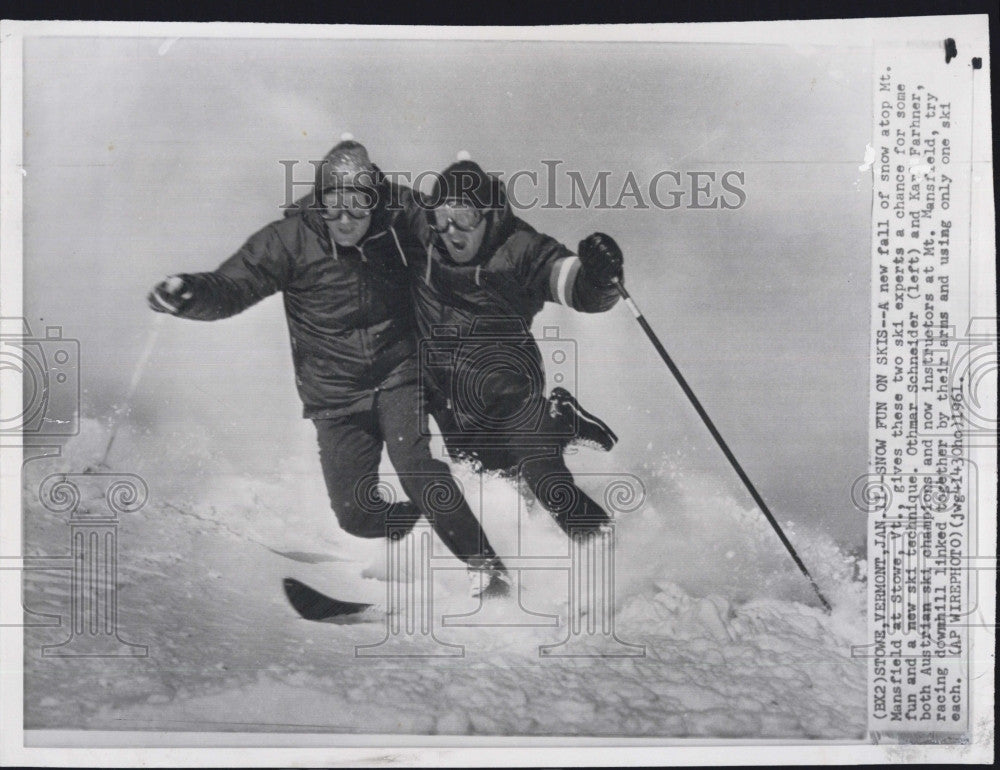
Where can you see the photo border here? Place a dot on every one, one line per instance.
(250, 749)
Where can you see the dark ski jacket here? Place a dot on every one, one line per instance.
(349, 310)
(483, 312)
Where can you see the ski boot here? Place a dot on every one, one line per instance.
(590, 430)
(488, 579)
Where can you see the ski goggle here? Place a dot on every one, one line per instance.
(357, 205)
(334, 214)
(462, 216)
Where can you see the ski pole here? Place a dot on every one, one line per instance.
(154, 332)
(716, 435)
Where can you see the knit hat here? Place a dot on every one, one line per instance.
(347, 165)
(466, 181)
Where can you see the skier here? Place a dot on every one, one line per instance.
(485, 275)
(341, 260)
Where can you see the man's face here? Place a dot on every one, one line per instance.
(348, 215)
(462, 227)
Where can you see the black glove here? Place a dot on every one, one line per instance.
(171, 295)
(601, 259)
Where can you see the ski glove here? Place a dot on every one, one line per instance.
(601, 259)
(171, 295)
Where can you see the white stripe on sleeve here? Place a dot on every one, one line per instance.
(563, 276)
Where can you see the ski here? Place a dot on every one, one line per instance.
(313, 605)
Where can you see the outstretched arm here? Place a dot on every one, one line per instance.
(260, 268)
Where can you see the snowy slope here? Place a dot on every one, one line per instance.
(733, 645)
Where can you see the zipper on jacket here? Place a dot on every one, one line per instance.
(363, 306)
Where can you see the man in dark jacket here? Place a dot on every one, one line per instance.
(342, 261)
(485, 275)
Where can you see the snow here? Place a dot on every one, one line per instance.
(735, 645)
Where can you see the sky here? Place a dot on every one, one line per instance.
(145, 157)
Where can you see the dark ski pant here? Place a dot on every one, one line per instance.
(544, 470)
(350, 449)
(539, 465)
